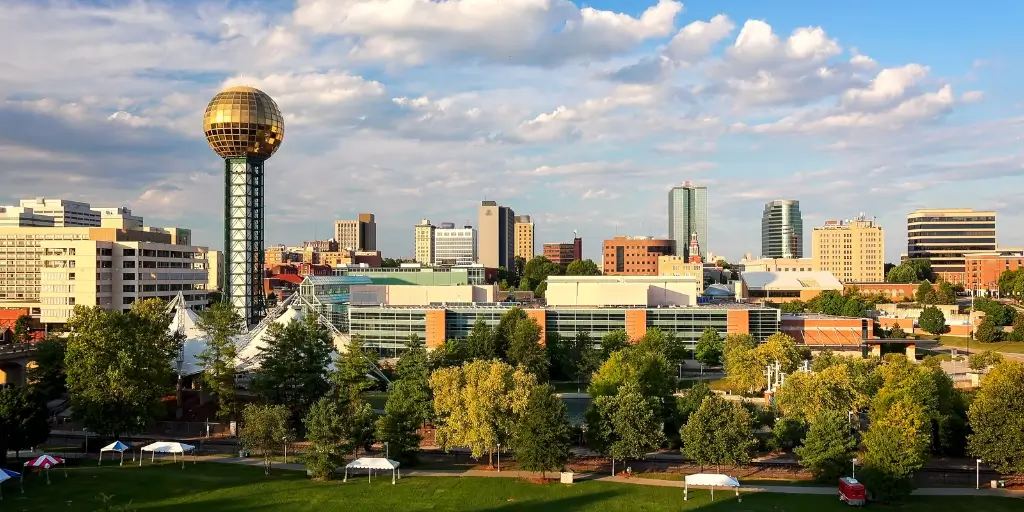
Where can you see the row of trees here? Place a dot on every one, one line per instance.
(532, 275)
(911, 271)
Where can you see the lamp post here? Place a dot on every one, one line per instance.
(854, 473)
(499, 457)
(977, 474)
(285, 439)
(387, 451)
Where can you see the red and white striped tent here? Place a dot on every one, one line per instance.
(45, 462)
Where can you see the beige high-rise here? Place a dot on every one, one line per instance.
(359, 234)
(424, 232)
(853, 250)
(496, 235)
(525, 247)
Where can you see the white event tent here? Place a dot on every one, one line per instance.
(116, 446)
(169, 447)
(375, 463)
(710, 480)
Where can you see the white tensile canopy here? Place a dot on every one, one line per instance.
(375, 463)
(116, 446)
(710, 480)
(169, 447)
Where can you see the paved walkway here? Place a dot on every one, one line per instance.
(779, 489)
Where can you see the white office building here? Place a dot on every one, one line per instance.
(455, 246)
(20, 217)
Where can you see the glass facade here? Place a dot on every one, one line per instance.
(688, 214)
(782, 230)
(942, 237)
(386, 330)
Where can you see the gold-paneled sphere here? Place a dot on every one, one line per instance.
(243, 122)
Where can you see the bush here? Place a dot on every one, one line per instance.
(932, 320)
(988, 331)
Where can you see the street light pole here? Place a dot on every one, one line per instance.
(285, 439)
(387, 451)
(854, 474)
(977, 474)
(499, 457)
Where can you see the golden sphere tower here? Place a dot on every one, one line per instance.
(245, 127)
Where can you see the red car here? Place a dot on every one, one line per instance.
(852, 492)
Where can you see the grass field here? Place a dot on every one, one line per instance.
(1016, 347)
(227, 488)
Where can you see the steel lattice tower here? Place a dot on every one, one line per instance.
(244, 126)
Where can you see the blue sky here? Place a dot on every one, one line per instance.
(581, 116)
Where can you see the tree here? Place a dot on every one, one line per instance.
(118, 365)
(781, 348)
(222, 325)
(1017, 334)
(793, 307)
(400, 424)
(452, 352)
(720, 432)
(360, 427)
(482, 341)
(897, 333)
(648, 368)
(828, 447)
(350, 375)
(293, 366)
(997, 418)
(325, 431)
(932, 320)
(390, 263)
(895, 446)
(479, 403)
(625, 425)
(1011, 283)
(982, 360)
(853, 307)
(806, 396)
(505, 331)
(742, 367)
(925, 293)
(265, 428)
(944, 294)
(613, 342)
(709, 348)
(271, 300)
(692, 400)
(788, 433)
(572, 358)
(49, 376)
(988, 331)
(536, 272)
(413, 368)
(526, 349)
(582, 268)
(22, 329)
(1000, 314)
(24, 420)
(901, 274)
(542, 437)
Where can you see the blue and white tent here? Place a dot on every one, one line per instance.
(116, 446)
(6, 474)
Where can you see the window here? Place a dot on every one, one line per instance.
(127, 252)
(128, 276)
(71, 276)
(129, 264)
(127, 300)
(128, 288)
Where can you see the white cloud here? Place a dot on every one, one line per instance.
(972, 96)
(696, 40)
(890, 85)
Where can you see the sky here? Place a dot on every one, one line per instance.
(582, 115)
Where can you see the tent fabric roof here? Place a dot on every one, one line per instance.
(6, 474)
(711, 479)
(44, 461)
(718, 290)
(791, 281)
(168, 447)
(116, 446)
(373, 463)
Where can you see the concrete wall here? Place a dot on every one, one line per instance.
(411, 295)
(648, 292)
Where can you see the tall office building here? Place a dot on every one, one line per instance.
(634, 255)
(782, 230)
(943, 235)
(65, 213)
(688, 214)
(359, 234)
(424, 237)
(853, 250)
(496, 235)
(455, 246)
(564, 253)
(525, 247)
(21, 217)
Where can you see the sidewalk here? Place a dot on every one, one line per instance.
(778, 489)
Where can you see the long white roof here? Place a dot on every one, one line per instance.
(791, 281)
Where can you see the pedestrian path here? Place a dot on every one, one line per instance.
(778, 489)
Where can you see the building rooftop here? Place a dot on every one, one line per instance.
(619, 279)
(327, 280)
(507, 305)
(791, 281)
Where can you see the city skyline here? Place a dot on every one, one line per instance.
(396, 135)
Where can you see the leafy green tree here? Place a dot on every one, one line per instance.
(625, 425)
(573, 358)
(925, 293)
(720, 432)
(24, 420)
(982, 360)
(452, 352)
(360, 427)
(505, 331)
(1018, 328)
(988, 331)
(271, 300)
(788, 433)
(742, 366)
(478, 404)
(22, 329)
(662, 342)
(895, 446)
(650, 369)
(536, 272)
(691, 400)
(997, 418)
(829, 446)
(482, 341)
(526, 349)
(1011, 283)
(781, 348)
(293, 366)
(222, 325)
(897, 332)
(48, 376)
(805, 396)
(542, 437)
(400, 424)
(1000, 314)
(902, 273)
(710, 347)
(118, 365)
(413, 368)
(793, 307)
(582, 268)
(325, 431)
(944, 294)
(264, 430)
(613, 341)
(932, 320)
(350, 375)
(853, 307)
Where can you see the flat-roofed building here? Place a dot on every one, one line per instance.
(424, 242)
(563, 253)
(414, 295)
(119, 217)
(983, 269)
(359, 234)
(943, 235)
(22, 217)
(787, 286)
(634, 255)
(853, 250)
(455, 246)
(65, 213)
(778, 265)
(681, 266)
(525, 244)
(782, 230)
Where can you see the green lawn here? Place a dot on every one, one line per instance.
(1016, 347)
(227, 488)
